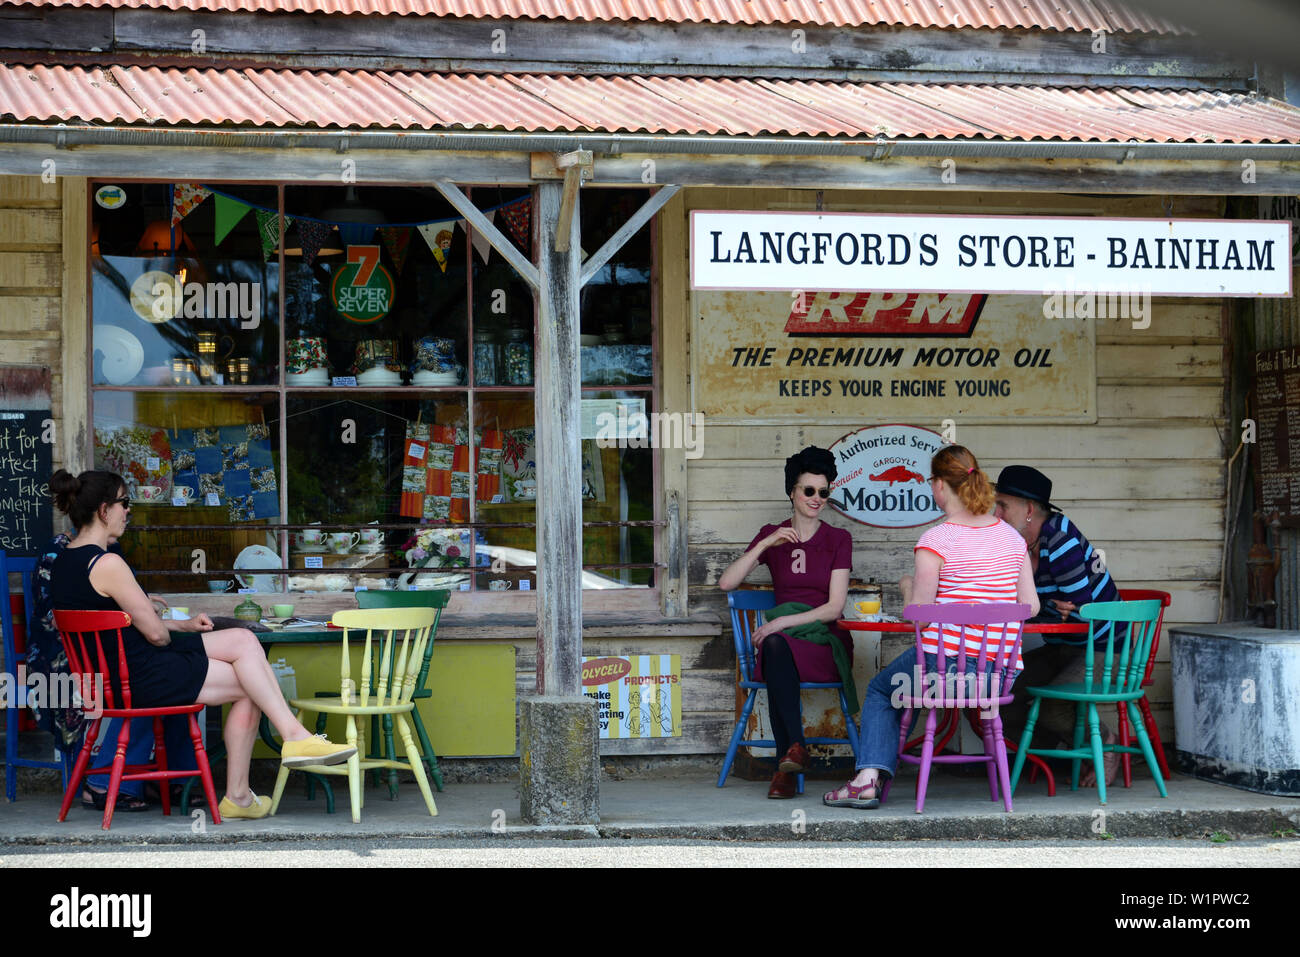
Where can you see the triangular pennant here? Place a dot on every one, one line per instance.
(268, 228)
(480, 240)
(439, 235)
(229, 213)
(186, 196)
(357, 234)
(312, 234)
(518, 217)
(397, 240)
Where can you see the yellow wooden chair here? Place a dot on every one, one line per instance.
(396, 639)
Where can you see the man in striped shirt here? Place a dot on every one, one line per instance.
(1068, 573)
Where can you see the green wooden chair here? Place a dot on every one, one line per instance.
(436, 600)
(1120, 683)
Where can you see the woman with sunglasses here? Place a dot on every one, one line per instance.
(810, 562)
(199, 665)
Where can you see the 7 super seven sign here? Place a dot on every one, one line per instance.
(363, 290)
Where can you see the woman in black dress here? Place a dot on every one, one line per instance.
(200, 665)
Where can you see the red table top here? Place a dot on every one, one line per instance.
(1031, 628)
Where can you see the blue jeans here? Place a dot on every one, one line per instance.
(881, 721)
(176, 735)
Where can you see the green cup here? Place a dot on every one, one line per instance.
(282, 611)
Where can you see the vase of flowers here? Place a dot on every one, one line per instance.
(437, 546)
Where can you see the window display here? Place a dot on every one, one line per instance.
(376, 428)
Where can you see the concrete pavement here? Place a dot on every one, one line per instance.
(685, 804)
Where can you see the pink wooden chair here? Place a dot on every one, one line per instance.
(991, 691)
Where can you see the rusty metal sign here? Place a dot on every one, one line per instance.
(785, 358)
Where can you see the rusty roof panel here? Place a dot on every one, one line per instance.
(358, 99)
(1074, 15)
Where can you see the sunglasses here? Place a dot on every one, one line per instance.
(124, 501)
(809, 492)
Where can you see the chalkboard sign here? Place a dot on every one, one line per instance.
(1277, 411)
(26, 460)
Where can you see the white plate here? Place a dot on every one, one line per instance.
(425, 377)
(310, 377)
(379, 377)
(123, 354)
(259, 556)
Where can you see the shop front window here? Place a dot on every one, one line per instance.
(352, 405)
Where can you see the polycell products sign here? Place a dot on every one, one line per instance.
(884, 476)
(989, 254)
(637, 696)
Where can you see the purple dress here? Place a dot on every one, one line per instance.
(806, 578)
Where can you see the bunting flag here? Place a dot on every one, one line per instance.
(438, 236)
(229, 213)
(480, 240)
(397, 240)
(518, 217)
(312, 234)
(186, 196)
(268, 228)
(357, 234)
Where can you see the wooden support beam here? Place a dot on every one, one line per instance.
(627, 231)
(559, 450)
(576, 165)
(527, 271)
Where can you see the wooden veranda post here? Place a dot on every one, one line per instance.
(559, 453)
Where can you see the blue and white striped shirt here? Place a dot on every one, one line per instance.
(1070, 569)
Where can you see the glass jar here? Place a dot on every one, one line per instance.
(487, 357)
(519, 356)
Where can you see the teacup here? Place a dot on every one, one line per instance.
(303, 355)
(312, 536)
(376, 354)
(218, 587)
(183, 492)
(867, 607)
(343, 542)
(498, 584)
(148, 493)
(371, 538)
(282, 611)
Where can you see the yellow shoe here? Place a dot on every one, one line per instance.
(314, 750)
(260, 807)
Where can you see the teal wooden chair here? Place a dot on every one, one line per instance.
(1127, 650)
(436, 600)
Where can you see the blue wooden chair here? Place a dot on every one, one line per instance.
(16, 702)
(743, 623)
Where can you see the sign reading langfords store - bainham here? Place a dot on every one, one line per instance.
(989, 254)
(884, 476)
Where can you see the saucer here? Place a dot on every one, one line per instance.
(379, 376)
(426, 378)
(310, 377)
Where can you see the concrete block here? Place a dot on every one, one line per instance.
(559, 760)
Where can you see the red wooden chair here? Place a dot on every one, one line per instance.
(1143, 594)
(83, 633)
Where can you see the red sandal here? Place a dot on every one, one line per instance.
(850, 796)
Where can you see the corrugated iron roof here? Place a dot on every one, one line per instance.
(1074, 15)
(361, 99)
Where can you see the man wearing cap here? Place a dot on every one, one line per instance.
(1068, 573)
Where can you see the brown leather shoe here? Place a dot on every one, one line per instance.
(795, 760)
(782, 786)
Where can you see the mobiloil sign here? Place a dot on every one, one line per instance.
(884, 476)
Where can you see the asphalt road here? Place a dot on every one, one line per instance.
(499, 853)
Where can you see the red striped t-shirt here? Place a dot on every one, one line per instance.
(980, 565)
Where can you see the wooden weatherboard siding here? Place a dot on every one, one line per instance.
(32, 289)
(1145, 482)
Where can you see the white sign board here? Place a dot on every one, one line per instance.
(989, 254)
(884, 476)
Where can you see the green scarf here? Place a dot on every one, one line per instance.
(819, 634)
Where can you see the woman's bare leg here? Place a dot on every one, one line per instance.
(240, 733)
(249, 676)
